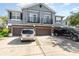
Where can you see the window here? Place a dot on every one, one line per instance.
(58, 20)
(33, 17)
(46, 19)
(27, 32)
(15, 15)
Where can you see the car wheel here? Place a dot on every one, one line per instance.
(74, 38)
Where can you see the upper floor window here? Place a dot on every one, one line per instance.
(46, 19)
(33, 17)
(15, 15)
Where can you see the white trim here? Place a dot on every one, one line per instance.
(47, 13)
(33, 24)
(33, 11)
(16, 19)
(9, 24)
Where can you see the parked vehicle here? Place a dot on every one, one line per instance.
(73, 33)
(27, 34)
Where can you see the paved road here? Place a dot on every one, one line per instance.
(12, 46)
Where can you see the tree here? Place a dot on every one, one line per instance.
(3, 20)
(73, 19)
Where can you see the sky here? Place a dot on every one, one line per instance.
(62, 9)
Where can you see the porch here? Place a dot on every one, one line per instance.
(39, 20)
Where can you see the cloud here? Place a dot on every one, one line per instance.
(52, 7)
(66, 4)
(63, 13)
(22, 4)
(75, 9)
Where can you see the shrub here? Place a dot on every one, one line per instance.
(4, 32)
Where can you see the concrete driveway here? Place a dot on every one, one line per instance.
(68, 48)
(12, 46)
(42, 46)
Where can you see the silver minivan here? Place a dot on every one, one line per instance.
(27, 34)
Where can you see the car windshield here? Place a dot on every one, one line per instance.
(27, 32)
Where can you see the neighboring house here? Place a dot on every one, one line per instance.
(66, 21)
(58, 20)
(38, 16)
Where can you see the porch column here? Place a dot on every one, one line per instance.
(53, 18)
(40, 16)
(25, 17)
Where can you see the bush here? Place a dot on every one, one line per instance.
(4, 32)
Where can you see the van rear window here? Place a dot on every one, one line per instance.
(27, 32)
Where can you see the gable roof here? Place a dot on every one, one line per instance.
(13, 10)
(30, 5)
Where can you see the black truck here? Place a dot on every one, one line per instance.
(73, 33)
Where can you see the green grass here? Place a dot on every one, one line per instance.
(2, 38)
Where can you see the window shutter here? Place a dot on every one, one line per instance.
(21, 16)
(10, 15)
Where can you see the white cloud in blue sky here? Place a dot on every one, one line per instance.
(21, 4)
(63, 9)
(66, 4)
(76, 9)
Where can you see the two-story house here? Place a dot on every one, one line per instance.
(38, 16)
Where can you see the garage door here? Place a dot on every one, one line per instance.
(41, 31)
(16, 30)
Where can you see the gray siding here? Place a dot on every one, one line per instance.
(36, 7)
(37, 10)
(41, 14)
